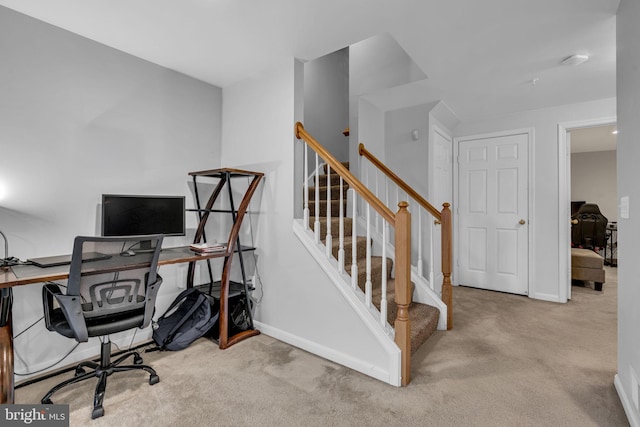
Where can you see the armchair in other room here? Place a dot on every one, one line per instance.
(114, 293)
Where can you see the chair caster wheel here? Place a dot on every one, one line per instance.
(97, 412)
(46, 402)
(154, 379)
(137, 359)
(80, 371)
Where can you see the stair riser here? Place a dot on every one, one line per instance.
(334, 179)
(335, 208)
(335, 192)
(335, 226)
(345, 164)
(376, 272)
(361, 249)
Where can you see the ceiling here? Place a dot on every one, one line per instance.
(482, 57)
(595, 138)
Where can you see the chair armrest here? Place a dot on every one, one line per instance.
(48, 291)
(71, 307)
(150, 306)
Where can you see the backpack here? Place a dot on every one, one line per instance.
(190, 316)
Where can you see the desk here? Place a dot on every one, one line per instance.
(27, 274)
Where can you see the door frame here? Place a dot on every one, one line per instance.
(436, 127)
(564, 199)
(530, 132)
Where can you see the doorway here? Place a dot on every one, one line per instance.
(591, 145)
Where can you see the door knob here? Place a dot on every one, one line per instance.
(523, 222)
(574, 221)
(436, 222)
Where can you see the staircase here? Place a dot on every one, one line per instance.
(423, 318)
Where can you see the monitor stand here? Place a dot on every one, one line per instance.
(144, 246)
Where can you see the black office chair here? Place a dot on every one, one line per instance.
(114, 292)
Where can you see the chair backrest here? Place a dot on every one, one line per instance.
(590, 230)
(115, 277)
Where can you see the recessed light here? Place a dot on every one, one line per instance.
(576, 59)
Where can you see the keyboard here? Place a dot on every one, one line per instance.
(53, 261)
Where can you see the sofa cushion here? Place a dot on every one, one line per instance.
(585, 258)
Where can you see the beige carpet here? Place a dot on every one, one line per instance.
(510, 361)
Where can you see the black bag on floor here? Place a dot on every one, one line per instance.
(190, 316)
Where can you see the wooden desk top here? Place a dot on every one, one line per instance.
(29, 274)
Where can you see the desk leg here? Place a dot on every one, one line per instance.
(6, 347)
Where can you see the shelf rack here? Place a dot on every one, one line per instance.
(227, 336)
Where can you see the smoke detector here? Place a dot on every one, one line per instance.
(576, 59)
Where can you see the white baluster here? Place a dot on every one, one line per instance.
(432, 285)
(341, 232)
(377, 215)
(305, 211)
(383, 299)
(354, 246)
(316, 224)
(420, 239)
(367, 286)
(386, 192)
(328, 241)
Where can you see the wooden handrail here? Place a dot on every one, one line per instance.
(353, 182)
(395, 178)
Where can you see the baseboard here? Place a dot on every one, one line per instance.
(632, 414)
(546, 297)
(331, 354)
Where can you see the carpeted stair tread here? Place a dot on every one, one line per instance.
(361, 248)
(423, 317)
(334, 180)
(335, 226)
(325, 167)
(376, 271)
(322, 190)
(335, 208)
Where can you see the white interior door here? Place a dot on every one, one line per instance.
(493, 213)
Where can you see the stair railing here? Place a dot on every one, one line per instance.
(442, 218)
(400, 221)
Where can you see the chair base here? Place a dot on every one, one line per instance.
(102, 371)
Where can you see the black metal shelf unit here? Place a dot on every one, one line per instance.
(224, 289)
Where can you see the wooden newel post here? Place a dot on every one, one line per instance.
(447, 291)
(402, 325)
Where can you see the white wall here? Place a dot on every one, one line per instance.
(628, 81)
(375, 64)
(326, 94)
(371, 124)
(593, 179)
(299, 304)
(544, 216)
(78, 119)
(406, 157)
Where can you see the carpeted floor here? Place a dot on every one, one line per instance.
(510, 361)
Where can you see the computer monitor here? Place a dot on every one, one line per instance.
(134, 215)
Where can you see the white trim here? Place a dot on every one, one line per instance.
(564, 199)
(628, 406)
(530, 132)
